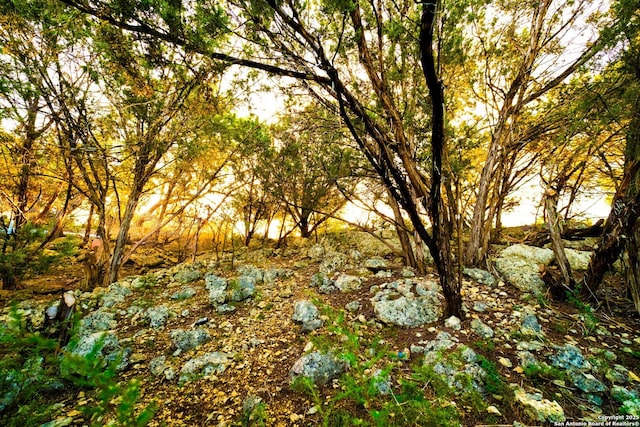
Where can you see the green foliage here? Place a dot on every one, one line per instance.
(21, 252)
(367, 394)
(544, 372)
(591, 321)
(34, 371)
(485, 345)
(493, 381)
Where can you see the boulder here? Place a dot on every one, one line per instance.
(376, 264)
(217, 288)
(183, 293)
(401, 303)
(186, 275)
(481, 329)
(243, 288)
(157, 316)
(480, 276)
(520, 265)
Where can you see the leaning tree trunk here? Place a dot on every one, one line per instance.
(631, 262)
(403, 236)
(440, 245)
(554, 225)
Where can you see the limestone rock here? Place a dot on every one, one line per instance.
(539, 409)
(319, 367)
(484, 331)
(206, 364)
(307, 313)
(453, 322)
(376, 264)
(157, 316)
(399, 304)
(480, 276)
(186, 275)
(347, 282)
(243, 288)
(185, 292)
(187, 340)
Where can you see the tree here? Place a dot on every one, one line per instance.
(33, 176)
(310, 162)
(621, 231)
(517, 65)
(324, 53)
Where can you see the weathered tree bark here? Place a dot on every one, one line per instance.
(440, 245)
(622, 221)
(403, 235)
(618, 226)
(554, 225)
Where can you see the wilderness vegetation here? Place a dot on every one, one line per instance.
(129, 125)
(127, 112)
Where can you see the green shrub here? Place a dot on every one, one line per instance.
(34, 372)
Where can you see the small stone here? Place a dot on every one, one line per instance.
(493, 410)
(505, 362)
(353, 306)
(453, 322)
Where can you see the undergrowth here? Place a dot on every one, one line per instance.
(381, 388)
(35, 372)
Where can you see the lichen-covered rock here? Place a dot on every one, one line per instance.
(307, 313)
(157, 365)
(116, 293)
(187, 275)
(570, 357)
(333, 261)
(105, 344)
(206, 364)
(539, 409)
(404, 311)
(347, 283)
(183, 293)
(99, 320)
(406, 303)
(520, 265)
(242, 288)
(522, 273)
(319, 367)
(376, 264)
(530, 325)
(453, 322)
(157, 317)
(481, 329)
(480, 276)
(217, 288)
(187, 340)
(586, 382)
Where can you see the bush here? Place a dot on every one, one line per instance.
(22, 253)
(35, 373)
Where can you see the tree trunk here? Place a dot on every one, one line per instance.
(625, 207)
(405, 241)
(123, 233)
(440, 245)
(631, 262)
(554, 226)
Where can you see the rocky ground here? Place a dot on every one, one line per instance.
(220, 341)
